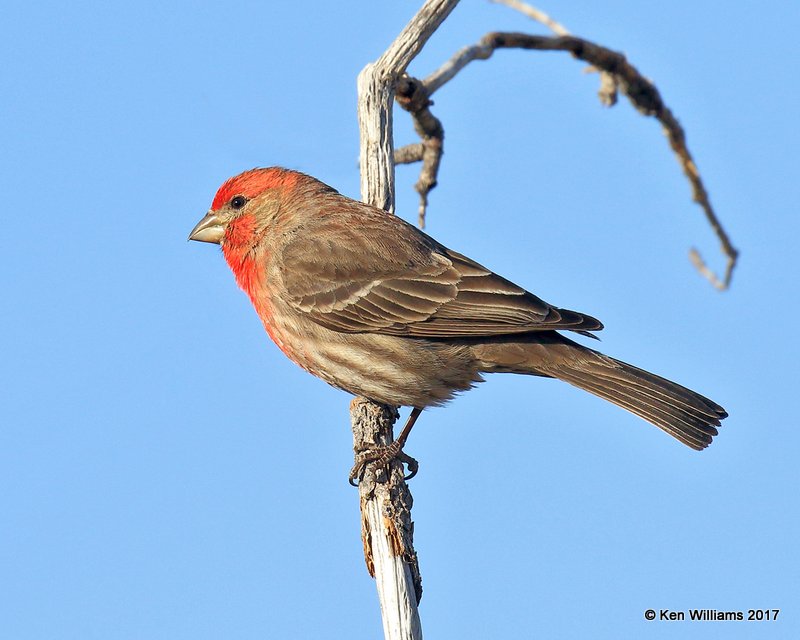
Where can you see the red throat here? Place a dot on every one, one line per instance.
(249, 270)
(239, 253)
(241, 247)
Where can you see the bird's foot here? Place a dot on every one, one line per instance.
(382, 455)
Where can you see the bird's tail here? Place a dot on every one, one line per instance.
(682, 413)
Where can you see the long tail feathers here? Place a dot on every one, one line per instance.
(682, 413)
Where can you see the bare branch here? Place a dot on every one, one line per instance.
(708, 274)
(608, 88)
(376, 93)
(642, 93)
(385, 501)
(413, 97)
(387, 529)
(409, 154)
(450, 69)
(535, 14)
(608, 85)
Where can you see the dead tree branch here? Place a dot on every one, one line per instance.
(616, 74)
(414, 98)
(535, 14)
(387, 530)
(395, 516)
(375, 97)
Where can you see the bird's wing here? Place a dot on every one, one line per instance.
(382, 275)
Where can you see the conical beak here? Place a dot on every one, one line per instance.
(209, 229)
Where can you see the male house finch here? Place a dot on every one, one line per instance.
(373, 306)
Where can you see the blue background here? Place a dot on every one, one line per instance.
(165, 472)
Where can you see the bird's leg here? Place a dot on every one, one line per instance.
(391, 451)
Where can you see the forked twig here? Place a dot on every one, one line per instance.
(616, 75)
(385, 502)
(412, 96)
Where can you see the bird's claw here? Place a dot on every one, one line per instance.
(411, 464)
(382, 455)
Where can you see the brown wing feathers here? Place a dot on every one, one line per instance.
(416, 288)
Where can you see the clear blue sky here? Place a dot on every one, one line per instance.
(166, 473)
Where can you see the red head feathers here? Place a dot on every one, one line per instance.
(252, 183)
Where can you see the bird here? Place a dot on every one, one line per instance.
(374, 306)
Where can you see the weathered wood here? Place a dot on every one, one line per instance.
(386, 524)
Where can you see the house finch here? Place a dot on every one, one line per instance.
(373, 306)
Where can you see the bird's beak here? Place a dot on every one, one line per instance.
(209, 229)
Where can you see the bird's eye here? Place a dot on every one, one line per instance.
(237, 202)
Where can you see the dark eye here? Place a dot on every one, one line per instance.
(237, 202)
